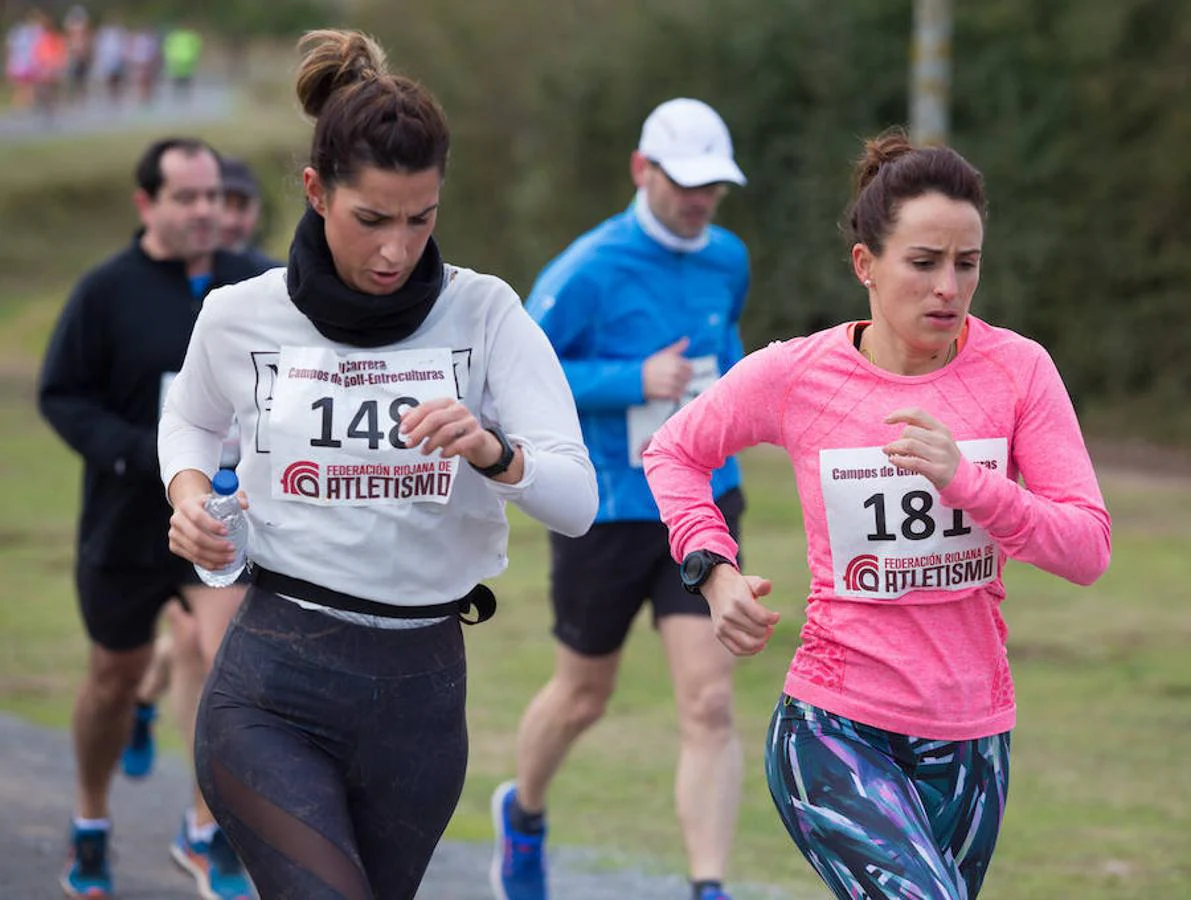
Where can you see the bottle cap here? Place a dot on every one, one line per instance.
(225, 483)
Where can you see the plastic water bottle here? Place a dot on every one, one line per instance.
(224, 505)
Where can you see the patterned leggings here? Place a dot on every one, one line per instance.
(883, 816)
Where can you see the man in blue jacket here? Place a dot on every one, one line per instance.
(643, 312)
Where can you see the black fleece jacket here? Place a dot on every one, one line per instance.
(125, 327)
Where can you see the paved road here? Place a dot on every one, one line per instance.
(211, 101)
(35, 794)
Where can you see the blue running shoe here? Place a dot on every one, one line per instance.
(214, 865)
(137, 759)
(87, 873)
(519, 861)
(713, 893)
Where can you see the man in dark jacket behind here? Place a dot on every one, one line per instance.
(118, 343)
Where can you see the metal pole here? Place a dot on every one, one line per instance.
(930, 77)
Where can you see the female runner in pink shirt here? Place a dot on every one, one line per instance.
(928, 447)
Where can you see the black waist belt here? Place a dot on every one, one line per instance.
(480, 598)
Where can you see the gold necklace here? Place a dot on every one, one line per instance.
(952, 350)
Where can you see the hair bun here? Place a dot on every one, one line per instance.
(891, 171)
(333, 59)
(886, 147)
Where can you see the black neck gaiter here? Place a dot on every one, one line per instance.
(343, 314)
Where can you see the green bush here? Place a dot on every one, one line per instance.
(1075, 110)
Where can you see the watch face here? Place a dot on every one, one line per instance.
(692, 569)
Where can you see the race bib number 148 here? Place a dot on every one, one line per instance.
(335, 427)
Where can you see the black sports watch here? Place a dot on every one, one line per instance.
(506, 454)
(697, 566)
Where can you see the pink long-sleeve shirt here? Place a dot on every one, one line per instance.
(903, 628)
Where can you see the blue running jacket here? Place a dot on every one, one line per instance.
(613, 298)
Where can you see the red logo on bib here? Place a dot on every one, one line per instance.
(301, 478)
(863, 574)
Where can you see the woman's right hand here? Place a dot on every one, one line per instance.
(741, 623)
(195, 534)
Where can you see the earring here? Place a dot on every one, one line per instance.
(868, 282)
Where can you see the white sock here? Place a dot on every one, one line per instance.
(196, 833)
(92, 824)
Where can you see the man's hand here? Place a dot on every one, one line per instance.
(665, 375)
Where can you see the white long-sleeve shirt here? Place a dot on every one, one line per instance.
(334, 497)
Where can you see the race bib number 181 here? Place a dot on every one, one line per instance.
(889, 532)
(335, 427)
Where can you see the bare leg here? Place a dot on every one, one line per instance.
(570, 702)
(187, 674)
(102, 720)
(708, 779)
(196, 641)
(157, 675)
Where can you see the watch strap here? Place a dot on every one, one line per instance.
(507, 452)
(707, 561)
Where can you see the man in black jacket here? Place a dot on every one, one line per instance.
(120, 339)
(178, 663)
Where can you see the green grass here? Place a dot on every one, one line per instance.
(1100, 803)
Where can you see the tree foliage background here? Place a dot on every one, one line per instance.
(1076, 110)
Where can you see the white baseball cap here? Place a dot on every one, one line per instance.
(690, 141)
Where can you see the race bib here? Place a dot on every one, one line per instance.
(889, 532)
(335, 427)
(644, 420)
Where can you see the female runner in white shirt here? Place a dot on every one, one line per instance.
(390, 405)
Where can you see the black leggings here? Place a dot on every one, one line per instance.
(332, 754)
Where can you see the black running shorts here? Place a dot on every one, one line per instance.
(120, 606)
(601, 580)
